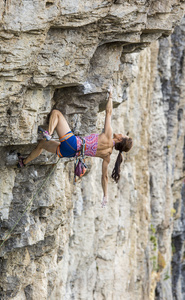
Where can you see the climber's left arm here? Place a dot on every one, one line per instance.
(104, 180)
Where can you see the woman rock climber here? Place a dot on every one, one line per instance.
(97, 145)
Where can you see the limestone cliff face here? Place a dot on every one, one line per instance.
(64, 54)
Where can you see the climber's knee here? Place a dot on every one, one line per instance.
(55, 112)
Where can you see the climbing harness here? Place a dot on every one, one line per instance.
(29, 204)
(79, 164)
(64, 139)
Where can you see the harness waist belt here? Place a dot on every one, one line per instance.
(65, 137)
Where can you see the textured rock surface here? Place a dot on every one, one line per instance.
(64, 54)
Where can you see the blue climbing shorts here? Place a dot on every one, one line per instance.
(68, 145)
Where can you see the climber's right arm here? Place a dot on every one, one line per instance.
(108, 127)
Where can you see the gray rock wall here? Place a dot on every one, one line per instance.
(64, 55)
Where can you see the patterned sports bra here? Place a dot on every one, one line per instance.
(91, 144)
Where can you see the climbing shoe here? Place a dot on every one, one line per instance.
(20, 161)
(45, 134)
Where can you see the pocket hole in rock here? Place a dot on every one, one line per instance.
(49, 3)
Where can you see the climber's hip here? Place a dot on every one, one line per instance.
(68, 145)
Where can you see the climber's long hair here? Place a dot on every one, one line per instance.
(125, 145)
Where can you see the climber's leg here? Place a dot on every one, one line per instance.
(58, 122)
(50, 146)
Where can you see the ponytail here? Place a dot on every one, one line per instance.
(125, 145)
(116, 170)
